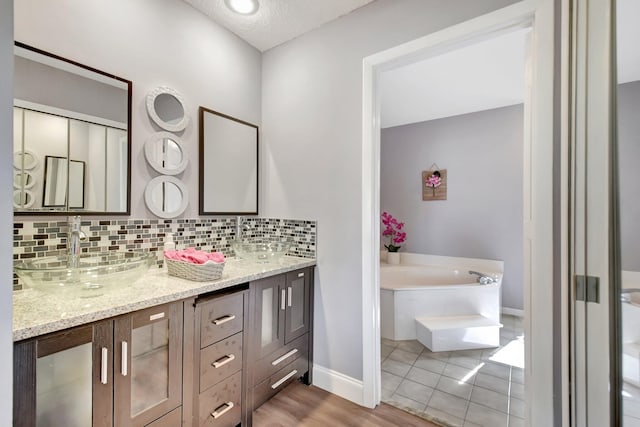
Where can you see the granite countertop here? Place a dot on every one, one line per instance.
(37, 313)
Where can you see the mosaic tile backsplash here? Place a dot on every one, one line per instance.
(32, 239)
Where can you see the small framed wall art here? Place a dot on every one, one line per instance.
(434, 184)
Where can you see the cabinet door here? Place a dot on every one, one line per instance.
(269, 304)
(148, 364)
(65, 379)
(297, 311)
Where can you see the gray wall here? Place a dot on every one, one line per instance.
(312, 148)
(629, 175)
(6, 211)
(152, 43)
(482, 216)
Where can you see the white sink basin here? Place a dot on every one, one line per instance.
(94, 275)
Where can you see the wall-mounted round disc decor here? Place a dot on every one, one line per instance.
(25, 159)
(166, 196)
(166, 153)
(167, 109)
(23, 199)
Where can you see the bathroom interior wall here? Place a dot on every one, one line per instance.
(629, 173)
(312, 148)
(482, 216)
(152, 43)
(6, 211)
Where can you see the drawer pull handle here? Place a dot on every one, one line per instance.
(289, 375)
(223, 319)
(156, 316)
(125, 356)
(300, 274)
(223, 360)
(104, 364)
(284, 357)
(218, 412)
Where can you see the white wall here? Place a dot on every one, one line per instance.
(482, 216)
(152, 43)
(311, 158)
(6, 211)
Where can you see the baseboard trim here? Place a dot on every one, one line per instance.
(513, 311)
(338, 384)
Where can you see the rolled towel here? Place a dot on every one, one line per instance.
(216, 257)
(194, 256)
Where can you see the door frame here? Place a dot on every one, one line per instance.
(538, 196)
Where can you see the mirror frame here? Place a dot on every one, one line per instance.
(151, 109)
(201, 165)
(129, 85)
(148, 196)
(149, 148)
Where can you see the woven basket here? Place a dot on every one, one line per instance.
(195, 272)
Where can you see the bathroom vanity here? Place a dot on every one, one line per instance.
(165, 352)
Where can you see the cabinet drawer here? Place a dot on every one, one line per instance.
(220, 318)
(220, 360)
(278, 381)
(172, 419)
(220, 405)
(281, 357)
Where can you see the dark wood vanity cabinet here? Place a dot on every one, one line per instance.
(206, 361)
(280, 341)
(125, 371)
(219, 360)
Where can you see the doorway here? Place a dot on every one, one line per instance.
(538, 182)
(462, 111)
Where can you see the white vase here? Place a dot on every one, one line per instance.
(393, 258)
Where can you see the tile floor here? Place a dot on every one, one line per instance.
(467, 388)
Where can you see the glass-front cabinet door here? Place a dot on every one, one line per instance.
(269, 305)
(65, 379)
(297, 310)
(148, 364)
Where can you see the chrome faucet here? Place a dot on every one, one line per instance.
(74, 236)
(484, 279)
(240, 227)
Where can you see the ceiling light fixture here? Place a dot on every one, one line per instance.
(243, 7)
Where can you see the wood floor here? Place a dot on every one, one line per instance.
(307, 406)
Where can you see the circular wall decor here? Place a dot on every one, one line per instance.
(23, 199)
(166, 196)
(167, 109)
(166, 153)
(25, 160)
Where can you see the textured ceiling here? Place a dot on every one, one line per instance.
(276, 21)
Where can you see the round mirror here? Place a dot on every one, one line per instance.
(166, 107)
(23, 199)
(25, 159)
(166, 196)
(165, 153)
(23, 179)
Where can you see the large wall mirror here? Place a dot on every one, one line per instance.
(72, 137)
(228, 165)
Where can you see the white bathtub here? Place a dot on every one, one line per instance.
(435, 286)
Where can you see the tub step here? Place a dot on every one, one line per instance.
(446, 333)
